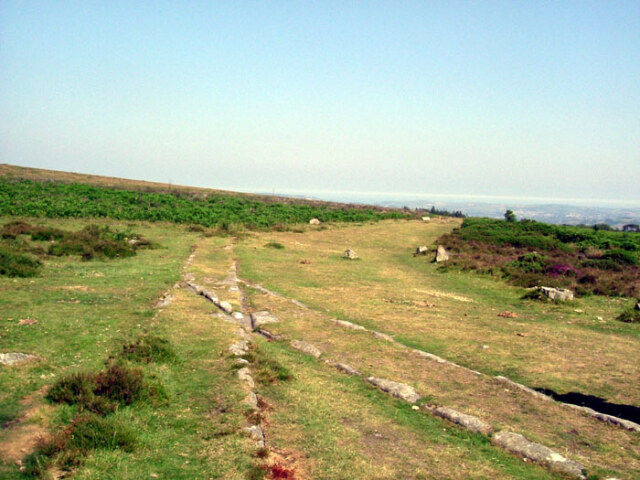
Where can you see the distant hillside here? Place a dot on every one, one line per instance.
(44, 193)
(42, 175)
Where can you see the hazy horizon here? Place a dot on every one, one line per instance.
(478, 99)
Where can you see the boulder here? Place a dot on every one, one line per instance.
(399, 390)
(441, 254)
(422, 250)
(314, 221)
(261, 318)
(306, 347)
(560, 294)
(350, 254)
(519, 445)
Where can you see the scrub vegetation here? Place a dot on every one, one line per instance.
(529, 253)
(19, 197)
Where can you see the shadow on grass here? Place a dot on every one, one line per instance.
(627, 412)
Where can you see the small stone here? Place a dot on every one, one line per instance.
(27, 321)
(578, 310)
(485, 347)
(225, 306)
(306, 347)
(350, 254)
(15, 358)
(349, 325)
(422, 250)
(508, 314)
(245, 376)
(261, 318)
(441, 255)
(237, 315)
(397, 389)
(314, 221)
(469, 422)
(599, 318)
(426, 219)
(348, 369)
(240, 348)
(256, 433)
(382, 336)
(251, 400)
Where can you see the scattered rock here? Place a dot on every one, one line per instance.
(441, 255)
(508, 314)
(430, 356)
(27, 321)
(426, 219)
(560, 294)
(314, 221)
(578, 310)
(469, 422)
(256, 433)
(422, 250)
(240, 348)
(164, 301)
(350, 254)
(399, 390)
(348, 369)
(306, 347)
(237, 316)
(520, 334)
(519, 445)
(305, 262)
(245, 376)
(15, 358)
(251, 400)
(225, 306)
(382, 336)
(261, 318)
(346, 324)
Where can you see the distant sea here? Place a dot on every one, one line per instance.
(570, 211)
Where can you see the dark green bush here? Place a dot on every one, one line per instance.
(276, 245)
(14, 264)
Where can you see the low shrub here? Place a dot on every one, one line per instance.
(149, 349)
(67, 447)
(630, 316)
(103, 392)
(15, 264)
(273, 244)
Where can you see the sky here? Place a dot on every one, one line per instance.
(465, 98)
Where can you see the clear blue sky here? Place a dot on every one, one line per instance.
(524, 98)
